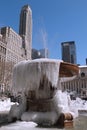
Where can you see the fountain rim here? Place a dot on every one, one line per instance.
(68, 69)
(65, 69)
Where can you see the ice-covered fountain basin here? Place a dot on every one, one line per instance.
(37, 82)
(39, 78)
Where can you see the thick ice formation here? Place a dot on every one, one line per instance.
(37, 75)
(64, 104)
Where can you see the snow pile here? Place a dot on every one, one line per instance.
(79, 104)
(65, 105)
(5, 105)
(61, 102)
(22, 125)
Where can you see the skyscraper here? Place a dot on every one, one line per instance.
(25, 30)
(42, 53)
(69, 52)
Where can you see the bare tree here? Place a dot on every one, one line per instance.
(8, 75)
(2, 71)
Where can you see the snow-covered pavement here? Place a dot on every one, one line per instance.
(19, 126)
(5, 106)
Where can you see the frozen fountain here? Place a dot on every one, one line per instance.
(36, 85)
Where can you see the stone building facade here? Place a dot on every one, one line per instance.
(2, 58)
(78, 85)
(15, 47)
(14, 50)
(11, 52)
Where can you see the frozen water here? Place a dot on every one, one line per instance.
(38, 81)
(41, 76)
(65, 103)
(62, 100)
(28, 75)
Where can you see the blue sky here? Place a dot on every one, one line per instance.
(54, 21)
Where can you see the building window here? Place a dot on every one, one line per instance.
(82, 74)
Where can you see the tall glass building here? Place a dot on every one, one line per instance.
(69, 52)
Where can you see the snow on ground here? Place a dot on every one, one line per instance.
(78, 104)
(74, 106)
(5, 105)
(19, 125)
